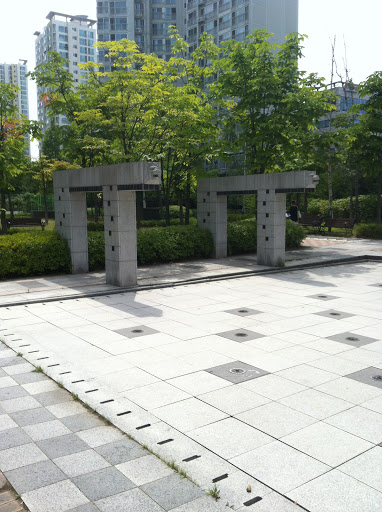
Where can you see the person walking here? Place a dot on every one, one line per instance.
(294, 212)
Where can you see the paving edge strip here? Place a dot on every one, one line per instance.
(199, 280)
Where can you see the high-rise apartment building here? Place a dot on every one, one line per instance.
(147, 21)
(144, 21)
(73, 38)
(235, 19)
(15, 74)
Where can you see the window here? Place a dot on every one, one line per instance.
(63, 29)
(61, 37)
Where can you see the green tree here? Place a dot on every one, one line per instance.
(13, 129)
(270, 104)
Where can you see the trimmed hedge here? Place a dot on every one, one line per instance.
(341, 208)
(33, 252)
(373, 231)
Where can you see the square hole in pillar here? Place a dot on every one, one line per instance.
(352, 339)
(243, 311)
(332, 313)
(264, 203)
(240, 335)
(108, 203)
(109, 233)
(237, 372)
(137, 331)
(371, 376)
(267, 215)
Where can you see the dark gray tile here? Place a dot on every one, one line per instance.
(240, 335)
(88, 507)
(32, 416)
(352, 339)
(322, 296)
(172, 491)
(34, 476)
(371, 376)
(243, 311)
(27, 378)
(12, 392)
(32, 284)
(121, 451)
(53, 397)
(11, 361)
(237, 372)
(62, 445)
(82, 421)
(333, 313)
(137, 331)
(13, 437)
(103, 483)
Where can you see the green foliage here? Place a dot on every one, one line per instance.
(373, 231)
(341, 208)
(294, 235)
(34, 252)
(96, 248)
(95, 226)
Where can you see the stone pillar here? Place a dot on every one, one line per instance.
(71, 223)
(212, 215)
(120, 236)
(270, 228)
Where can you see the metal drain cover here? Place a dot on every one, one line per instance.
(135, 331)
(237, 370)
(376, 377)
(352, 338)
(335, 314)
(241, 334)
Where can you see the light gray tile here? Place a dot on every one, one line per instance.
(20, 404)
(307, 375)
(6, 422)
(12, 392)
(229, 437)
(281, 467)
(145, 469)
(66, 409)
(58, 497)
(6, 382)
(63, 445)
(103, 483)
(316, 404)
(47, 430)
(350, 390)
(20, 456)
(99, 436)
(134, 500)
(172, 491)
(366, 468)
(53, 397)
(276, 419)
(34, 388)
(361, 422)
(273, 387)
(337, 492)
(32, 477)
(234, 399)
(155, 395)
(234, 489)
(327, 444)
(199, 382)
(274, 502)
(81, 463)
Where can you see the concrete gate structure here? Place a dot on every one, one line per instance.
(119, 184)
(271, 190)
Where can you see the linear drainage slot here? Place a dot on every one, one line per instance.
(17, 339)
(40, 358)
(123, 413)
(143, 426)
(64, 373)
(91, 390)
(107, 401)
(50, 365)
(189, 459)
(28, 345)
(77, 381)
(252, 501)
(33, 351)
(11, 334)
(218, 478)
(165, 441)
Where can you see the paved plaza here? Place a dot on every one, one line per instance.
(266, 388)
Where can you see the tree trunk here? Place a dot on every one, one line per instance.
(188, 197)
(4, 227)
(379, 192)
(356, 194)
(10, 205)
(181, 217)
(45, 203)
(95, 207)
(330, 192)
(350, 199)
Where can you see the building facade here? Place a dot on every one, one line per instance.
(15, 74)
(346, 97)
(144, 21)
(73, 38)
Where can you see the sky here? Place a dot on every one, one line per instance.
(355, 25)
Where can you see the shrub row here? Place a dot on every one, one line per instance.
(38, 252)
(33, 252)
(369, 231)
(341, 208)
